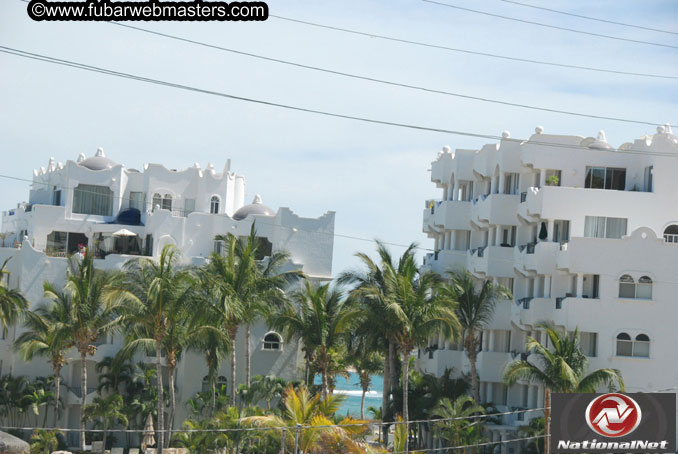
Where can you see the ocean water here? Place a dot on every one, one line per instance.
(352, 390)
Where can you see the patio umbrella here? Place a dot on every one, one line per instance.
(148, 439)
(124, 232)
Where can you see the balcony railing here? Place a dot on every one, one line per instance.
(525, 301)
(670, 238)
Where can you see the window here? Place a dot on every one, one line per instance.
(605, 178)
(561, 231)
(671, 234)
(264, 247)
(509, 237)
(62, 243)
(220, 382)
(91, 199)
(136, 200)
(167, 202)
(630, 289)
(272, 341)
(157, 201)
(602, 227)
(56, 197)
(214, 205)
(640, 347)
(549, 178)
(589, 343)
(512, 183)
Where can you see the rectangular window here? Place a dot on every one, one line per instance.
(602, 227)
(92, 199)
(589, 344)
(561, 231)
(136, 200)
(605, 178)
(511, 183)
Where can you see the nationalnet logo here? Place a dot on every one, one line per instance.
(585, 423)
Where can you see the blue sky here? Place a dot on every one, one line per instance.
(375, 177)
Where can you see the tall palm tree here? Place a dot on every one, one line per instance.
(47, 334)
(93, 312)
(253, 280)
(475, 309)
(159, 295)
(107, 411)
(561, 369)
(372, 293)
(12, 302)
(320, 317)
(417, 311)
(366, 362)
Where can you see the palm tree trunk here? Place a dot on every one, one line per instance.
(83, 394)
(173, 406)
(393, 358)
(160, 431)
(213, 385)
(386, 386)
(362, 405)
(475, 385)
(324, 380)
(233, 332)
(57, 384)
(406, 413)
(248, 359)
(104, 442)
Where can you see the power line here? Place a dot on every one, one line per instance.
(524, 21)
(641, 27)
(53, 60)
(471, 52)
(381, 81)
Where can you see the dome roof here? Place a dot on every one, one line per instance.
(96, 162)
(256, 208)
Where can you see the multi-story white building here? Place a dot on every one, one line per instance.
(583, 234)
(123, 214)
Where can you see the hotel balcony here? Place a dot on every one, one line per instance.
(539, 258)
(495, 209)
(445, 260)
(556, 202)
(492, 261)
(436, 361)
(446, 214)
(492, 364)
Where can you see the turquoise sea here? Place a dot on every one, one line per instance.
(352, 390)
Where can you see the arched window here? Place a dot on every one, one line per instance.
(167, 202)
(272, 341)
(644, 288)
(641, 346)
(221, 381)
(627, 287)
(624, 345)
(671, 234)
(157, 201)
(214, 205)
(630, 289)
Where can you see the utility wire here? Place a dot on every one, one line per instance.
(382, 81)
(471, 52)
(580, 16)
(600, 35)
(34, 56)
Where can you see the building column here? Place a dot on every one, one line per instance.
(488, 391)
(490, 341)
(502, 179)
(547, 286)
(498, 236)
(493, 185)
(453, 239)
(549, 230)
(455, 192)
(580, 285)
(542, 178)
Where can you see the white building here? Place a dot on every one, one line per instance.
(583, 235)
(89, 202)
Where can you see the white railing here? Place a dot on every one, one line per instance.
(670, 238)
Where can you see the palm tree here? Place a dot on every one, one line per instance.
(460, 428)
(159, 296)
(562, 369)
(47, 333)
(321, 318)
(315, 414)
(106, 410)
(12, 302)
(372, 293)
(535, 430)
(366, 363)
(417, 312)
(252, 280)
(475, 309)
(114, 371)
(93, 313)
(44, 441)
